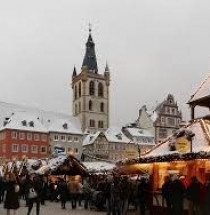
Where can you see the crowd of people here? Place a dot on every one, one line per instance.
(113, 194)
(176, 190)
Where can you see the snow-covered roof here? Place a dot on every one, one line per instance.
(138, 132)
(22, 121)
(90, 138)
(115, 134)
(99, 166)
(64, 126)
(202, 91)
(48, 119)
(40, 166)
(154, 116)
(201, 140)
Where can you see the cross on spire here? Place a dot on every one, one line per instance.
(90, 27)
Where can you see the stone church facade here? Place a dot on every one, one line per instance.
(91, 92)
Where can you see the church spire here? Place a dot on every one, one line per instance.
(107, 68)
(90, 60)
(74, 71)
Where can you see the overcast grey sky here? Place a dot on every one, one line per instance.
(154, 47)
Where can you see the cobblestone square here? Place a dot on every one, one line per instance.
(53, 209)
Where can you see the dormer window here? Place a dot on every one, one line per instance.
(31, 124)
(65, 126)
(6, 121)
(24, 123)
(119, 136)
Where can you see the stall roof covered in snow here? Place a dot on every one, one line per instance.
(67, 165)
(99, 166)
(202, 91)
(201, 140)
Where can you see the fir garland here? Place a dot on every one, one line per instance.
(166, 158)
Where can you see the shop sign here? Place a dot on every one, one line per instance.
(182, 145)
(131, 153)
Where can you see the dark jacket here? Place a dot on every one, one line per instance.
(166, 190)
(177, 191)
(62, 190)
(193, 191)
(12, 196)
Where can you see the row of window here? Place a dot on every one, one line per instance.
(145, 139)
(92, 123)
(29, 136)
(170, 110)
(65, 138)
(164, 132)
(170, 121)
(90, 106)
(92, 87)
(25, 148)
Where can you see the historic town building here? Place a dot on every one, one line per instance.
(91, 92)
(65, 137)
(117, 143)
(163, 121)
(34, 133)
(22, 135)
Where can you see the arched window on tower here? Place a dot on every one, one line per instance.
(90, 105)
(92, 123)
(80, 89)
(75, 92)
(100, 90)
(79, 107)
(92, 88)
(102, 107)
(76, 109)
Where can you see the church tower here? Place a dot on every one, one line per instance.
(91, 92)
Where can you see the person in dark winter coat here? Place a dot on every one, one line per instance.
(109, 181)
(12, 194)
(206, 203)
(62, 192)
(86, 189)
(44, 190)
(142, 195)
(2, 189)
(166, 193)
(34, 190)
(125, 188)
(115, 197)
(177, 191)
(193, 195)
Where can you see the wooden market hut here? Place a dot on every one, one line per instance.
(70, 166)
(201, 97)
(183, 156)
(163, 160)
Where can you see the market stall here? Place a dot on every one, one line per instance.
(186, 153)
(61, 165)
